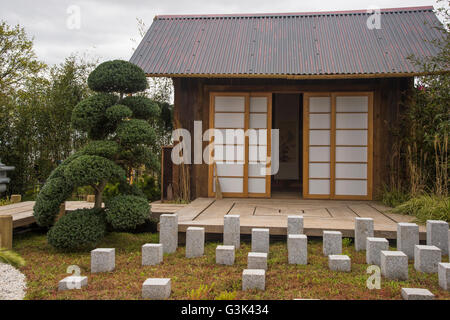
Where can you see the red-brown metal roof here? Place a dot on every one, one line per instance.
(288, 44)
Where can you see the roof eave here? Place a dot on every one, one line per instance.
(294, 77)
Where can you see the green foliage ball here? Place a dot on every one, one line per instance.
(102, 148)
(54, 192)
(135, 131)
(78, 230)
(118, 112)
(117, 76)
(126, 212)
(89, 115)
(142, 107)
(89, 170)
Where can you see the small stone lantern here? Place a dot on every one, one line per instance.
(3, 178)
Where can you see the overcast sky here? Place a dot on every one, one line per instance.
(107, 26)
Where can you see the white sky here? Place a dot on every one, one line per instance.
(107, 26)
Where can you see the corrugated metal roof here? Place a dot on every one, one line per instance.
(287, 45)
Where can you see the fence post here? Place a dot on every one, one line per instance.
(6, 232)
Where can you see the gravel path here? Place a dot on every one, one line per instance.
(12, 283)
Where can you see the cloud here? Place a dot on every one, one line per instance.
(107, 26)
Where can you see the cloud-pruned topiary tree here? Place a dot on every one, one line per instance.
(118, 127)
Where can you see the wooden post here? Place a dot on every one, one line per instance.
(6, 232)
(90, 198)
(16, 198)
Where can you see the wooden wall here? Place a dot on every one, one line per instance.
(192, 103)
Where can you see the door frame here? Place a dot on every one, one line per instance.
(211, 177)
(332, 162)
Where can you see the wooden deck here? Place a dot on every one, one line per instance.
(319, 215)
(22, 213)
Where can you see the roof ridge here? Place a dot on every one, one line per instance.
(288, 14)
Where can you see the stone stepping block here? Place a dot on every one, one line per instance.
(294, 225)
(257, 260)
(152, 254)
(168, 232)
(253, 279)
(363, 229)
(225, 255)
(72, 282)
(394, 265)
(407, 238)
(297, 249)
(427, 258)
(338, 262)
(416, 294)
(332, 242)
(374, 246)
(103, 260)
(156, 288)
(444, 275)
(195, 242)
(232, 230)
(260, 240)
(438, 235)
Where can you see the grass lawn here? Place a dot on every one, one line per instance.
(201, 278)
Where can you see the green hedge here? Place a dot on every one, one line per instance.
(78, 230)
(126, 212)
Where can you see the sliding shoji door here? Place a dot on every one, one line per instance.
(338, 145)
(240, 159)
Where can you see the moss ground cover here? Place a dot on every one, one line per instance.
(201, 278)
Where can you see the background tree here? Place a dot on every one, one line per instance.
(121, 136)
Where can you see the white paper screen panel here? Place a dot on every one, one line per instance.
(319, 153)
(319, 170)
(229, 136)
(258, 121)
(229, 120)
(228, 153)
(230, 170)
(321, 187)
(351, 121)
(257, 153)
(351, 187)
(319, 104)
(351, 137)
(258, 104)
(256, 185)
(230, 185)
(351, 154)
(319, 137)
(229, 104)
(256, 169)
(351, 170)
(319, 121)
(352, 104)
(257, 137)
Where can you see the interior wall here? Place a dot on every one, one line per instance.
(286, 116)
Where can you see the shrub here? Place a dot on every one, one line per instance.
(101, 148)
(135, 131)
(78, 230)
(117, 76)
(118, 112)
(142, 107)
(53, 193)
(426, 207)
(126, 212)
(394, 197)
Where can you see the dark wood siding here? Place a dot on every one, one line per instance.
(192, 103)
